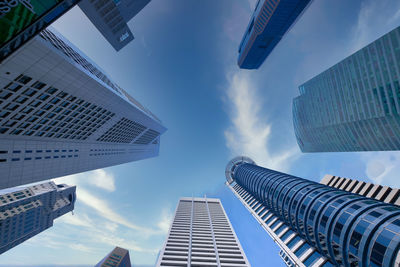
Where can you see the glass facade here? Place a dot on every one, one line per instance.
(345, 228)
(354, 105)
(270, 21)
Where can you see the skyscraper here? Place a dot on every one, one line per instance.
(270, 21)
(118, 257)
(111, 16)
(201, 235)
(22, 20)
(61, 114)
(315, 224)
(354, 105)
(27, 211)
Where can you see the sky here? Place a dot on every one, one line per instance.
(182, 66)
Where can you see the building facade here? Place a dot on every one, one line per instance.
(25, 212)
(61, 114)
(110, 17)
(379, 192)
(315, 224)
(118, 257)
(271, 19)
(354, 105)
(22, 20)
(201, 235)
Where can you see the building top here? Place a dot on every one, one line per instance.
(118, 257)
(271, 19)
(231, 166)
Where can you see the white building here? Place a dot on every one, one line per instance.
(61, 114)
(27, 211)
(201, 235)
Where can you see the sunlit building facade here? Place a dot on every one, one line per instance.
(315, 224)
(271, 19)
(354, 105)
(27, 211)
(201, 235)
(110, 17)
(60, 114)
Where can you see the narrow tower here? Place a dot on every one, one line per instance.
(25, 212)
(201, 235)
(315, 224)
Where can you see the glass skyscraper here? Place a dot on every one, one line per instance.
(201, 235)
(27, 211)
(60, 114)
(271, 19)
(315, 224)
(354, 105)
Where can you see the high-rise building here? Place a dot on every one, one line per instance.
(118, 257)
(110, 17)
(61, 114)
(201, 235)
(375, 191)
(27, 211)
(354, 105)
(271, 19)
(22, 20)
(315, 224)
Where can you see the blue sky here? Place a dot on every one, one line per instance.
(182, 66)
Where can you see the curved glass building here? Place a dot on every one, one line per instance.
(315, 224)
(355, 104)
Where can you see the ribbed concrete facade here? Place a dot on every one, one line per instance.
(201, 235)
(375, 191)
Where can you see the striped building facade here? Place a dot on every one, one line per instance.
(375, 191)
(201, 235)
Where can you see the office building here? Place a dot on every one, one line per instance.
(110, 17)
(201, 235)
(22, 20)
(375, 191)
(354, 105)
(315, 224)
(118, 257)
(28, 211)
(271, 19)
(60, 114)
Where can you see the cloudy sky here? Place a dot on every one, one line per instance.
(182, 66)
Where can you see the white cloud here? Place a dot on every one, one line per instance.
(102, 179)
(81, 247)
(382, 167)
(165, 221)
(99, 178)
(249, 134)
(76, 219)
(104, 210)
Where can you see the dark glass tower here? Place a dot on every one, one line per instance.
(314, 224)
